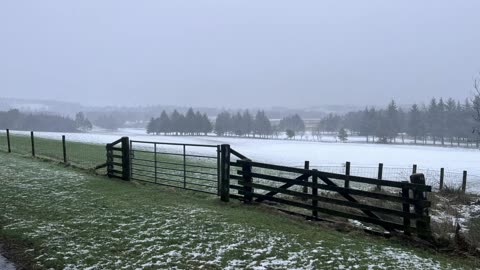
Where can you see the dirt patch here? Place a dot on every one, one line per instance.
(16, 253)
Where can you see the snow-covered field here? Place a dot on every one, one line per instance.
(320, 154)
(294, 153)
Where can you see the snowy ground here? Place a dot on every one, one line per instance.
(320, 154)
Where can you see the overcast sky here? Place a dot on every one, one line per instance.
(238, 53)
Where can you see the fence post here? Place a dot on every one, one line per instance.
(247, 179)
(109, 152)
(414, 169)
(155, 161)
(464, 182)
(442, 177)
(406, 209)
(225, 172)
(8, 141)
(184, 166)
(347, 173)
(380, 175)
(64, 145)
(125, 158)
(314, 192)
(422, 222)
(33, 143)
(305, 188)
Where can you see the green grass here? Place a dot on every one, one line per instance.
(82, 155)
(69, 219)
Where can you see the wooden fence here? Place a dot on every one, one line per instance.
(403, 207)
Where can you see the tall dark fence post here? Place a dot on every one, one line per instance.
(225, 172)
(247, 180)
(380, 175)
(184, 166)
(8, 141)
(109, 151)
(442, 177)
(406, 209)
(347, 173)
(32, 138)
(464, 182)
(125, 158)
(155, 160)
(422, 221)
(64, 146)
(315, 192)
(414, 169)
(305, 188)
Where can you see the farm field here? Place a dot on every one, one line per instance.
(69, 219)
(324, 155)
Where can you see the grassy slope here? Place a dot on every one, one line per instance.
(73, 220)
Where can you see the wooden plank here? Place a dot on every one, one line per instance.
(283, 187)
(237, 154)
(315, 197)
(359, 179)
(332, 212)
(363, 193)
(406, 209)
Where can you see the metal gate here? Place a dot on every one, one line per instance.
(188, 166)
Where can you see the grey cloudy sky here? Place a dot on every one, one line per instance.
(238, 53)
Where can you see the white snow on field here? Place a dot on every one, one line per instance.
(290, 152)
(294, 153)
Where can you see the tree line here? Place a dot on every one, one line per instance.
(440, 121)
(192, 123)
(16, 120)
(226, 124)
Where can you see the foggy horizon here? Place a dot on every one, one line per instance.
(239, 54)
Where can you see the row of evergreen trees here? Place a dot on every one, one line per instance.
(192, 123)
(226, 124)
(16, 120)
(440, 121)
(243, 124)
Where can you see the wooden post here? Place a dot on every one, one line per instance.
(64, 145)
(305, 188)
(315, 192)
(184, 167)
(8, 141)
(414, 169)
(380, 175)
(464, 182)
(442, 177)
(33, 143)
(247, 179)
(125, 158)
(406, 209)
(422, 222)
(109, 152)
(155, 160)
(219, 171)
(347, 173)
(225, 172)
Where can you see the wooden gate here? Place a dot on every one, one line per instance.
(390, 204)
